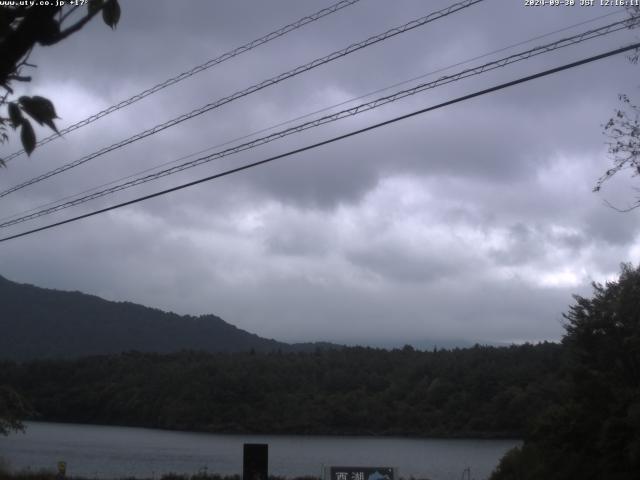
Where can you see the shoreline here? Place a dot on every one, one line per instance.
(342, 434)
(51, 475)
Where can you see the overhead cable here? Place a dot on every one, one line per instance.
(252, 89)
(307, 115)
(330, 140)
(195, 70)
(349, 112)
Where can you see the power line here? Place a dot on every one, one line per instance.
(324, 109)
(500, 63)
(336, 116)
(306, 115)
(197, 69)
(333, 139)
(254, 88)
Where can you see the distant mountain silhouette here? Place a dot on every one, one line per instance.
(43, 323)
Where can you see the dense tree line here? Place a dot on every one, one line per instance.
(479, 391)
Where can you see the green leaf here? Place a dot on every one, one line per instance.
(15, 115)
(40, 109)
(28, 137)
(48, 32)
(94, 5)
(111, 13)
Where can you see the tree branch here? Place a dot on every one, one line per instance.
(68, 13)
(19, 78)
(78, 25)
(16, 45)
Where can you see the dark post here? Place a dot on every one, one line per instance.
(255, 461)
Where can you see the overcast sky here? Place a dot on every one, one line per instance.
(475, 222)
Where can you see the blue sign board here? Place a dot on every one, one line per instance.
(361, 473)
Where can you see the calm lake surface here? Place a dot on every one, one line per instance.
(114, 452)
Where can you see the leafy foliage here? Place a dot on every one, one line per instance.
(40, 109)
(13, 409)
(593, 432)
(623, 130)
(111, 13)
(22, 27)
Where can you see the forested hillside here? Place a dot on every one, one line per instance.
(480, 391)
(42, 323)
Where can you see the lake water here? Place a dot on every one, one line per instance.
(113, 452)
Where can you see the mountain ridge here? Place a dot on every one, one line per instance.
(39, 323)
